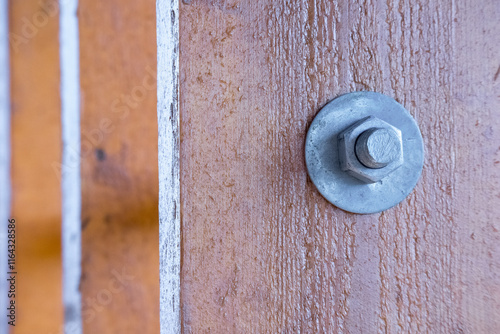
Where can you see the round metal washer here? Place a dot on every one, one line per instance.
(322, 157)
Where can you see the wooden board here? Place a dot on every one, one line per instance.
(36, 147)
(167, 36)
(263, 252)
(119, 283)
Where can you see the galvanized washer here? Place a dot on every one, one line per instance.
(322, 154)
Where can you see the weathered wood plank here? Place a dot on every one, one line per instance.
(262, 251)
(475, 164)
(36, 154)
(119, 169)
(167, 27)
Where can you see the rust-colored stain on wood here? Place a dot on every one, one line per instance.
(119, 284)
(263, 252)
(36, 147)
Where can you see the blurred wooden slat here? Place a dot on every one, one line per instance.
(119, 286)
(36, 149)
(263, 252)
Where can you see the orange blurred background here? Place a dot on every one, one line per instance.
(118, 167)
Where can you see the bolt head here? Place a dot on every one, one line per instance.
(370, 149)
(378, 147)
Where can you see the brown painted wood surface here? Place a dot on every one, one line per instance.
(36, 146)
(119, 167)
(263, 252)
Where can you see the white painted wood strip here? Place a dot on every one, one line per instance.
(167, 27)
(70, 175)
(4, 155)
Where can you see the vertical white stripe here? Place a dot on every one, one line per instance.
(167, 28)
(70, 174)
(4, 155)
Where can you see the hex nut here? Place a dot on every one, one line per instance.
(322, 156)
(349, 161)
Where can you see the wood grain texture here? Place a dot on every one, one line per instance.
(262, 251)
(167, 27)
(36, 148)
(120, 278)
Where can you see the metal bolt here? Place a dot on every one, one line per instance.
(378, 147)
(364, 152)
(370, 149)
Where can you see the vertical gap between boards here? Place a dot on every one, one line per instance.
(70, 169)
